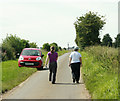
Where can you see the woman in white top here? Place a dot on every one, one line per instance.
(75, 61)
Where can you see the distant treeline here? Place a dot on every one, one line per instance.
(47, 46)
(107, 41)
(13, 45)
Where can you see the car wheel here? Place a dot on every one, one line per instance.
(41, 68)
(38, 68)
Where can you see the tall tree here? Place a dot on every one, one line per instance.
(14, 42)
(87, 29)
(117, 41)
(33, 45)
(8, 52)
(12, 45)
(25, 43)
(46, 46)
(107, 40)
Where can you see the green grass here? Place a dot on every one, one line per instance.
(101, 81)
(12, 75)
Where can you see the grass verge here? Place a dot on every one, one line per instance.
(102, 82)
(12, 75)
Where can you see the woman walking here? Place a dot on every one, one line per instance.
(52, 56)
(75, 61)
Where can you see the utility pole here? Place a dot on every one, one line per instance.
(68, 45)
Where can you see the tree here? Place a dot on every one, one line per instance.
(13, 42)
(117, 41)
(64, 48)
(60, 48)
(46, 46)
(107, 40)
(12, 45)
(87, 29)
(55, 45)
(33, 45)
(25, 43)
(8, 52)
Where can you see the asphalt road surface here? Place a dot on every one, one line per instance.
(37, 86)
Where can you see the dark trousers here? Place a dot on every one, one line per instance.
(75, 67)
(53, 71)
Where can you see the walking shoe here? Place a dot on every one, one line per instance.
(53, 82)
(50, 79)
(77, 81)
(73, 80)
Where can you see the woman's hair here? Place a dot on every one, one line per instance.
(52, 49)
(76, 48)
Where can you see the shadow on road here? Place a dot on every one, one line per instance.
(43, 69)
(68, 83)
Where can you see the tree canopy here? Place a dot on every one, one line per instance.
(46, 46)
(107, 40)
(87, 29)
(117, 41)
(12, 45)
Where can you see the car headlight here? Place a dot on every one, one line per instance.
(21, 58)
(38, 58)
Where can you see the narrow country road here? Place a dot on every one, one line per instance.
(37, 86)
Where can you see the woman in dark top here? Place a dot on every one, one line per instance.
(52, 56)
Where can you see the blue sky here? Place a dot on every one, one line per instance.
(43, 21)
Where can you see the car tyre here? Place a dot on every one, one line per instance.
(41, 68)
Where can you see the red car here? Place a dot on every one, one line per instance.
(31, 57)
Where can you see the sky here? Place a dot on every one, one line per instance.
(48, 21)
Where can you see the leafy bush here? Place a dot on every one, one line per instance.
(117, 41)
(107, 40)
(46, 46)
(33, 45)
(8, 53)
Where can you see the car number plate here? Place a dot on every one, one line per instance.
(29, 63)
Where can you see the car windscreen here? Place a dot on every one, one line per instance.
(31, 53)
